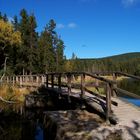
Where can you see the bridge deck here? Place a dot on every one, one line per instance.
(126, 113)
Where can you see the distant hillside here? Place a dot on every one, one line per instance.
(129, 62)
(123, 57)
(120, 57)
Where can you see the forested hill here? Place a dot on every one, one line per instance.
(120, 57)
(129, 62)
(123, 57)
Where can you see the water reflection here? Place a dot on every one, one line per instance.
(131, 86)
(39, 133)
(133, 101)
(16, 123)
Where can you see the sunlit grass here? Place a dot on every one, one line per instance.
(99, 91)
(14, 93)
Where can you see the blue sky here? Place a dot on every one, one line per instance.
(89, 28)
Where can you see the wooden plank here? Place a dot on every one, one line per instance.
(52, 80)
(69, 86)
(108, 102)
(129, 75)
(88, 74)
(82, 84)
(100, 96)
(59, 81)
(126, 92)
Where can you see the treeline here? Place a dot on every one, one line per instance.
(25, 51)
(32, 52)
(129, 63)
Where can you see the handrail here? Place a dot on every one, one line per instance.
(128, 75)
(126, 92)
(86, 73)
(53, 79)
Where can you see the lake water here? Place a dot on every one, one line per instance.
(133, 101)
(131, 86)
(18, 124)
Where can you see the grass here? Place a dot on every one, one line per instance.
(13, 93)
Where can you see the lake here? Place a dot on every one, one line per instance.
(131, 86)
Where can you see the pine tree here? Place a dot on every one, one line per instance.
(23, 52)
(15, 23)
(5, 18)
(0, 16)
(59, 55)
(33, 43)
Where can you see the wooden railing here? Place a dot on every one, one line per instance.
(65, 80)
(25, 80)
(60, 80)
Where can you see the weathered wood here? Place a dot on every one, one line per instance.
(99, 106)
(108, 101)
(128, 75)
(100, 96)
(69, 86)
(47, 80)
(100, 78)
(111, 85)
(82, 84)
(87, 74)
(59, 81)
(126, 92)
(52, 80)
(13, 80)
(20, 81)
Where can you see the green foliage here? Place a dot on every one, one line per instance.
(9, 40)
(35, 53)
(50, 50)
(128, 63)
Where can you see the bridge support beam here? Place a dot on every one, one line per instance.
(52, 80)
(69, 86)
(47, 80)
(59, 81)
(82, 85)
(114, 85)
(108, 101)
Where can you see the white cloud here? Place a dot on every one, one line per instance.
(60, 26)
(72, 25)
(128, 3)
(69, 25)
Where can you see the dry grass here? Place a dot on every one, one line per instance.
(13, 93)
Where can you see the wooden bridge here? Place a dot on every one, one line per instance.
(93, 89)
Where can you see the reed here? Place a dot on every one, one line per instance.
(13, 93)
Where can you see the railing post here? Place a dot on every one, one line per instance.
(37, 80)
(7, 79)
(82, 85)
(114, 85)
(42, 80)
(97, 81)
(47, 80)
(108, 101)
(13, 80)
(59, 81)
(52, 80)
(32, 79)
(20, 81)
(69, 86)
